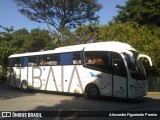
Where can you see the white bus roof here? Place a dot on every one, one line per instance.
(99, 46)
(32, 53)
(110, 46)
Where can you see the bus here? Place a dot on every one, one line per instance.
(96, 69)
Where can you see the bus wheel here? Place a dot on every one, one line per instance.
(93, 92)
(24, 85)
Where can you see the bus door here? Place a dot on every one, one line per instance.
(106, 84)
(106, 77)
(119, 76)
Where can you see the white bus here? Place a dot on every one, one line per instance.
(97, 69)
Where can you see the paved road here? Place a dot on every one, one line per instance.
(16, 100)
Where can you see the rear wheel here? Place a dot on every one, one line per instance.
(92, 92)
(24, 85)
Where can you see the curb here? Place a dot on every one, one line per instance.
(3, 83)
(154, 93)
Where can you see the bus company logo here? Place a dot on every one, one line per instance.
(6, 114)
(93, 74)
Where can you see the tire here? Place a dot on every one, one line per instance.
(24, 85)
(93, 92)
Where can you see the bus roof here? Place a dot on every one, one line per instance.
(32, 53)
(99, 46)
(110, 46)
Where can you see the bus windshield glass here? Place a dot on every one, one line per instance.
(135, 66)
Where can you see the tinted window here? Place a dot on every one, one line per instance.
(77, 58)
(98, 60)
(71, 58)
(14, 62)
(25, 61)
(11, 62)
(17, 62)
(119, 68)
(66, 58)
(42, 60)
(33, 61)
(50, 59)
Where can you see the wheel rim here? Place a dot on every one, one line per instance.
(94, 91)
(24, 86)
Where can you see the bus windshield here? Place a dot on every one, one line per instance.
(135, 65)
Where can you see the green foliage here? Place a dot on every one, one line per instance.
(144, 12)
(5, 51)
(146, 34)
(6, 34)
(145, 39)
(21, 41)
(39, 39)
(66, 37)
(87, 33)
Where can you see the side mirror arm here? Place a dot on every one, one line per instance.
(145, 56)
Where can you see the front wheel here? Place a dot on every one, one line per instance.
(93, 92)
(24, 85)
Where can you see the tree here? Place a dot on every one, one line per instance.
(6, 34)
(87, 33)
(5, 47)
(36, 40)
(21, 40)
(5, 50)
(59, 13)
(140, 11)
(40, 38)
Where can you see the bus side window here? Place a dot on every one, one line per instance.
(17, 62)
(25, 61)
(119, 68)
(11, 62)
(66, 58)
(77, 58)
(42, 60)
(33, 61)
(100, 60)
(52, 59)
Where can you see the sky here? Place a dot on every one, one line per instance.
(10, 16)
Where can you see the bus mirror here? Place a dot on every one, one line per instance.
(130, 54)
(145, 56)
(132, 60)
